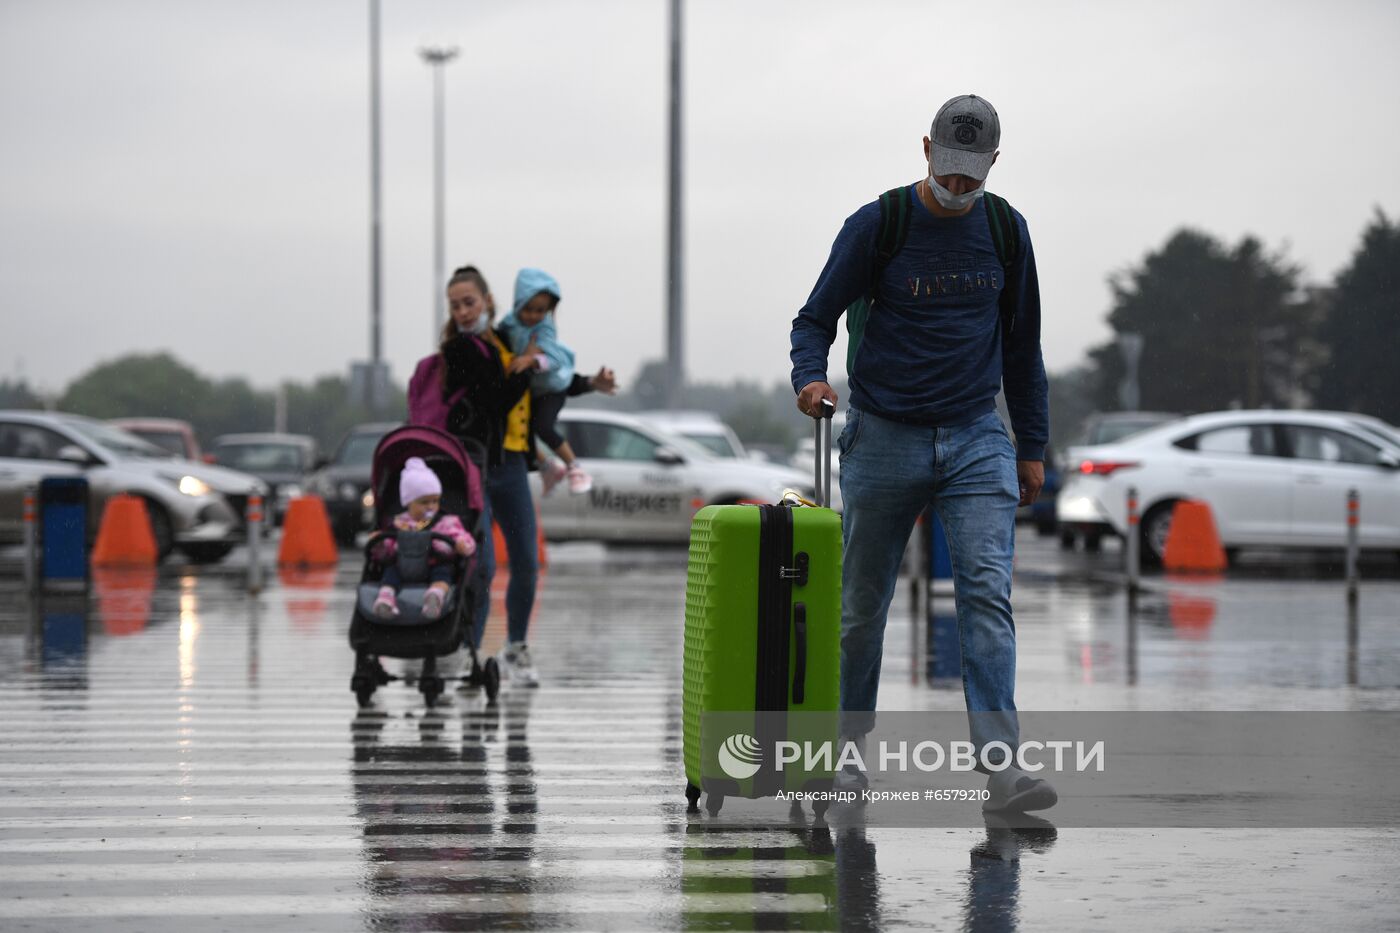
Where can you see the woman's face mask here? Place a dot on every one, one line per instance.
(477, 327)
(951, 201)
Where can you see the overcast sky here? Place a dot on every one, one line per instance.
(193, 175)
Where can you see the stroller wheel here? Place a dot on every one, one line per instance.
(491, 679)
(431, 686)
(363, 688)
(364, 696)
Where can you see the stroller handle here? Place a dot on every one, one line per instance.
(393, 533)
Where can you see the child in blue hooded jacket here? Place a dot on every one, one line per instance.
(531, 320)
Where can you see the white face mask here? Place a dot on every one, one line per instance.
(477, 327)
(954, 202)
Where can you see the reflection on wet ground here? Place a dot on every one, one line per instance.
(177, 756)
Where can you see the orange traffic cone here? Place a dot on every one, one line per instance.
(306, 535)
(124, 538)
(1193, 544)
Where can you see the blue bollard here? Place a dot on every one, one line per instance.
(63, 518)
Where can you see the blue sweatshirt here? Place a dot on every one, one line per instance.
(932, 352)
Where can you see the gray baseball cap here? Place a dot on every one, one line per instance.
(965, 135)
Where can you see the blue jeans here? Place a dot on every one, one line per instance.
(508, 501)
(889, 473)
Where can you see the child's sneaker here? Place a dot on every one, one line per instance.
(432, 603)
(579, 481)
(385, 605)
(551, 474)
(515, 658)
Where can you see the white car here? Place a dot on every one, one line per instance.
(648, 484)
(1271, 478)
(193, 506)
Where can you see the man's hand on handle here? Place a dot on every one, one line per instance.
(1031, 475)
(809, 399)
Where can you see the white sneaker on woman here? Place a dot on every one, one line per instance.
(517, 664)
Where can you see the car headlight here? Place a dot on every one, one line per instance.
(348, 490)
(288, 491)
(368, 499)
(193, 486)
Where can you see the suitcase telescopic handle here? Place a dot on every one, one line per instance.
(823, 466)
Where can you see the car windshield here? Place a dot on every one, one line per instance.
(686, 446)
(171, 441)
(118, 441)
(716, 444)
(261, 457)
(1381, 430)
(358, 450)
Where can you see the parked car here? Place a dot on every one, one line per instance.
(176, 437)
(194, 507)
(282, 461)
(648, 484)
(1272, 478)
(344, 482)
(704, 428)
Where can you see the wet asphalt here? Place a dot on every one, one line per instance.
(177, 755)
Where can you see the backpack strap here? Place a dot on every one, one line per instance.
(896, 207)
(1006, 239)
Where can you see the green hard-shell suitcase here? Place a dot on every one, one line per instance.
(762, 634)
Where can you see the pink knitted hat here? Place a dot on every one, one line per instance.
(417, 480)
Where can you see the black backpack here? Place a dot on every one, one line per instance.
(896, 206)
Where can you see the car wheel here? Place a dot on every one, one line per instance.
(1153, 532)
(206, 552)
(1093, 542)
(161, 529)
(1067, 539)
(1045, 528)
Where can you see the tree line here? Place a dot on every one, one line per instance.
(158, 385)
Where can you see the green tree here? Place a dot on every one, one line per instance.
(160, 386)
(151, 385)
(1359, 328)
(1221, 327)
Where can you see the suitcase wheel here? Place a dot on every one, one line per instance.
(692, 796)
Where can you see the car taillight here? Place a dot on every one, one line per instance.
(1104, 467)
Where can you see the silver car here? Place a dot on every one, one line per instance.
(193, 506)
(648, 484)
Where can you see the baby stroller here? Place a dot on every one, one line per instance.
(410, 635)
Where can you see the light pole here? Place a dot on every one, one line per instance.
(437, 57)
(675, 222)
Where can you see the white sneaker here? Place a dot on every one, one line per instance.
(1014, 790)
(579, 481)
(551, 473)
(516, 662)
(850, 778)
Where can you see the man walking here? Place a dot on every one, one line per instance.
(953, 315)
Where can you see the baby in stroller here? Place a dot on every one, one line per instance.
(420, 491)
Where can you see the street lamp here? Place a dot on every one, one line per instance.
(437, 57)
